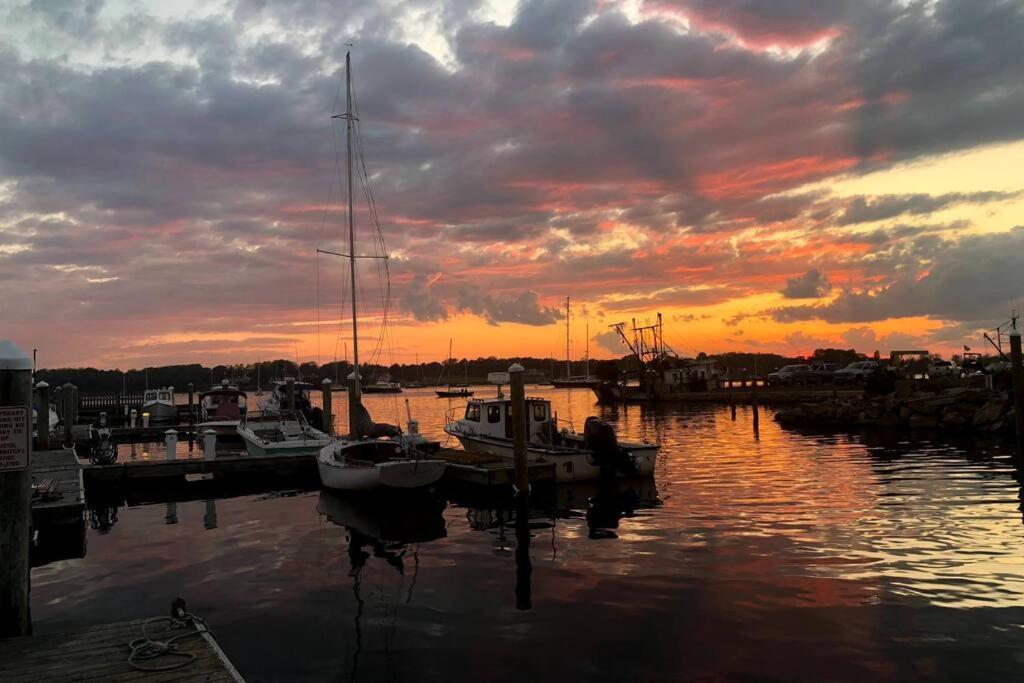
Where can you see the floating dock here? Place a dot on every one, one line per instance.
(100, 653)
(64, 495)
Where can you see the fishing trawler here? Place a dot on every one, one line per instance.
(373, 455)
(486, 427)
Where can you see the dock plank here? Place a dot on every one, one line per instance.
(101, 653)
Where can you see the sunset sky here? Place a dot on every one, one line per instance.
(769, 175)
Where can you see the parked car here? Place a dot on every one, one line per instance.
(943, 368)
(823, 373)
(855, 373)
(790, 375)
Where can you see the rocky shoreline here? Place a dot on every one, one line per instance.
(954, 408)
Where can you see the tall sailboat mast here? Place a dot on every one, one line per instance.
(351, 224)
(586, 371)
(568, 364)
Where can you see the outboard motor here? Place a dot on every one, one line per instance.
(102, 450)
(599, 438)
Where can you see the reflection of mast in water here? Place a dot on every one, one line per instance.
(524, 567)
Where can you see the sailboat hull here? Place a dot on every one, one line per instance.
(343, 474)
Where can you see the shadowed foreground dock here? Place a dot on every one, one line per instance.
(101, 653)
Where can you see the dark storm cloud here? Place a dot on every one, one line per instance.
(522, 308)
(810, 285)
(976, 278)
(869, 209)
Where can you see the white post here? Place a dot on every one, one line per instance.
(171, 442)
(134, 418)
(145, 419)
(210, 444)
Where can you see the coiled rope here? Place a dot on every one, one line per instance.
(147, 648)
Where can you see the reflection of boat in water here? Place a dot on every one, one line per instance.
(387, 519)
(386, 528)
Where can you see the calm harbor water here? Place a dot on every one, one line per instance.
(775, 556)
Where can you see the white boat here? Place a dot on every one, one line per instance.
(372, 456)
(280, 432)
(486, 427)
(220, 409)
(159, 403)
(364, 464)
(383, 387)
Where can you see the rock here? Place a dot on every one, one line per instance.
(923, 421)
(988, 413)
(951, 418)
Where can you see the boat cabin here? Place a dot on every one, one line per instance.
(493, 417)
(158, 396)
(223, 403)
(693, 375)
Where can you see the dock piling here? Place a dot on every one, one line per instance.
(171, 442)
(191, 405)
(43, 416)
(328, 409)
(15, 489)
(517, 389)
(210, 444)
(1018, 383)
(69, 397)
(134, 418)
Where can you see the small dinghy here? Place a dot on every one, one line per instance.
(377, 456)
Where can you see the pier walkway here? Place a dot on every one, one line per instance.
(62, 492)
(100, 653)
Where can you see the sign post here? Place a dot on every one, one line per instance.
(15, 488)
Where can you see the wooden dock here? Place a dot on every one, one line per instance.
(100, 653)
(66, 501)
(471, 468)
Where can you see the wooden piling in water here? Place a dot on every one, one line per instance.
(517, 390)
(290, 385)
(328, 409)
(15, 489)
(43, 416)
(191, 406)
(1017, 370)
(69, 398)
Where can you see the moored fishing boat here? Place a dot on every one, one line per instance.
(486, 427)
(159, 403)
(220, 409)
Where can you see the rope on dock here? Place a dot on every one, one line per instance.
(146, 648)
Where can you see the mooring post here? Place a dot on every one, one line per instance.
(69, 395)
(519, 427)
(1018, 383)
(171, 442)
(328, 409)
(191, 406)
(524, 567)
(145, 419)
(290, 385)
(134, 418)
(15, 488)
(43, 416)
(210, 444)
(753, 401)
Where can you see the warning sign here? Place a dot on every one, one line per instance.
(14, 437)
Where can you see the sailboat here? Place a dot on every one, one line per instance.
(373, 455)
(585, 381)
(453, 390)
